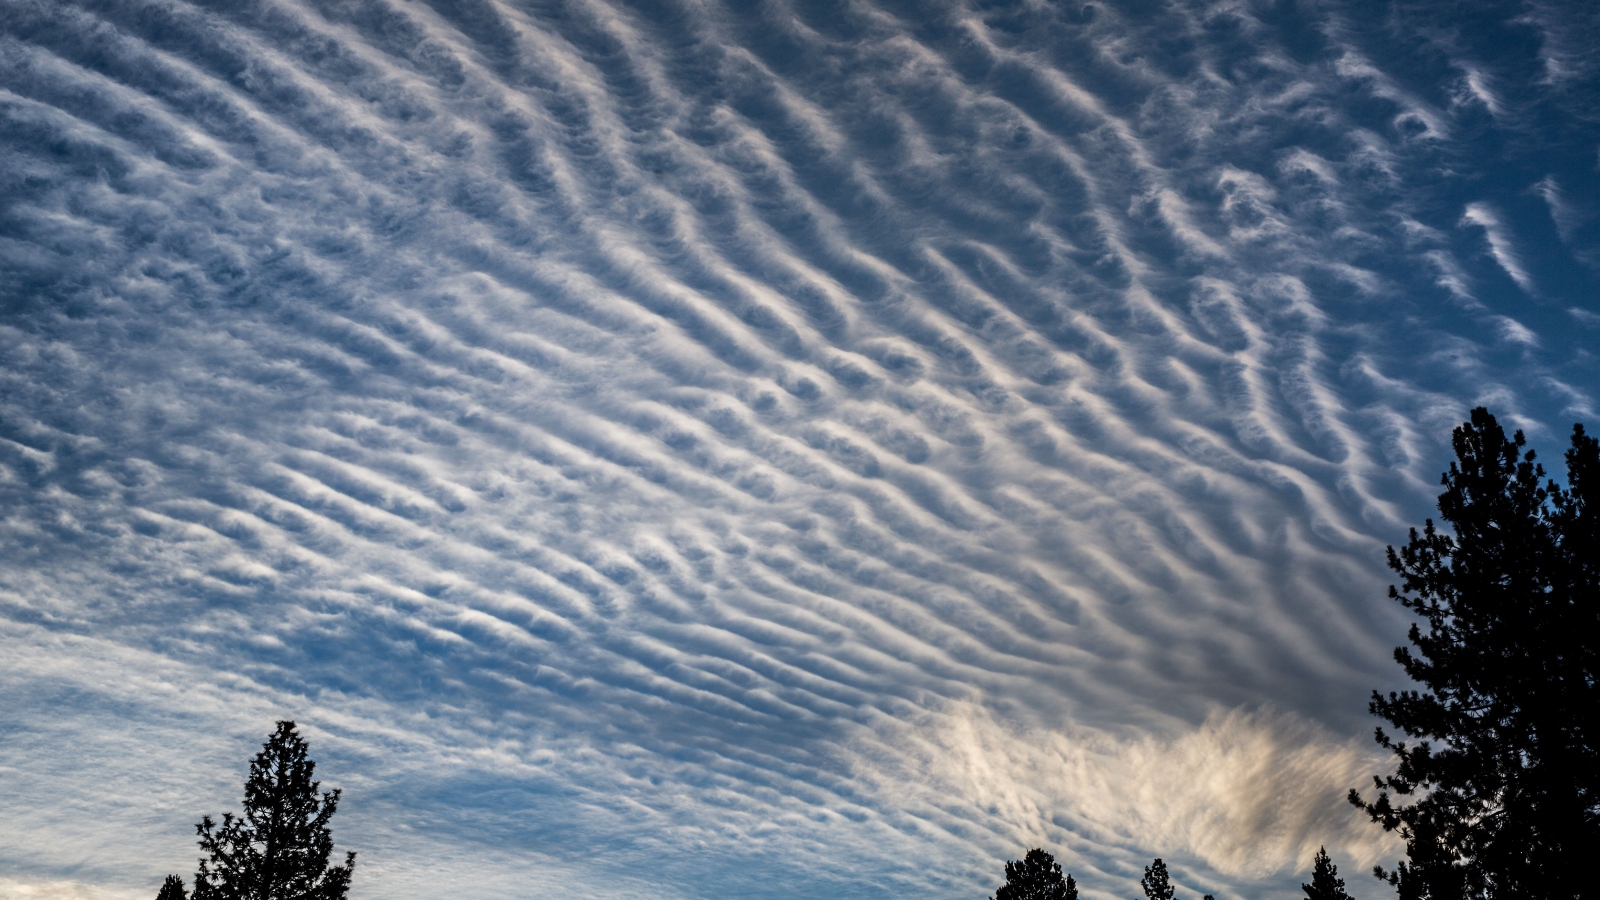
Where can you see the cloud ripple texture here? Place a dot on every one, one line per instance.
(807, 449)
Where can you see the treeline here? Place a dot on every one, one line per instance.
(1496, 788)
(1039, 877)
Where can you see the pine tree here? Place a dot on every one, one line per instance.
(1036, 877)
(172, 889)
(1155, 883)
(278, 849)
(1500, 795)
(1325, 881)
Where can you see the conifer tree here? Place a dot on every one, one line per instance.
(1499, 796)
(1325, 881)
(1155, 882)
(1036, 877)
(278, 848)
(172, 889)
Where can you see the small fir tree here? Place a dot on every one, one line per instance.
(1036, 877)
(1325, 881)
(1155, 882)
(172, 889)
(278, 849)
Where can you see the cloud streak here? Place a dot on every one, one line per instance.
(1499, 243)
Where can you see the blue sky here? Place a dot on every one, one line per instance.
(689, 450)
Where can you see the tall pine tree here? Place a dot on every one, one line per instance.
(1155, 883)
(278, 848)
(172, 889)
(1036, 877)
(1325, 881)
(1499, 796)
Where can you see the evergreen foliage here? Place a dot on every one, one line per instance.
(1155, 883)
(172, 889)
(1502, 786)
(1325, 881)
(1036, 877)
(278, 849)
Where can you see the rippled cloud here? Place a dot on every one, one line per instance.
(696, 449)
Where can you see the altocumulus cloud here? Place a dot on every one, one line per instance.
(683, 449)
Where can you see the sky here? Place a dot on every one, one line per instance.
(682, 449)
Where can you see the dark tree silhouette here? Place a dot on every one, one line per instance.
(1036, 877)
(1155, 883)
(278, 849)
(172, 889)
(1325, 881)
(1502, 787)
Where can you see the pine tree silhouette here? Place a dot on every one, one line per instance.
(278, 849)
(1325, 881)
(1155, 883)
(172, 889)
(1036, 877)
(1497, 792)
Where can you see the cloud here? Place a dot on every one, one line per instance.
(718, 447)
(58, 890)
(1477, 87)
(1245, 793)
(1500, 248)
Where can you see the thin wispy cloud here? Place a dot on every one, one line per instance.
(1505, 255)
(682, 449)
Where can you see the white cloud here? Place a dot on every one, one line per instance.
(1244, 793)
(21, 889)
(1483, 216)
(1477, 85)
